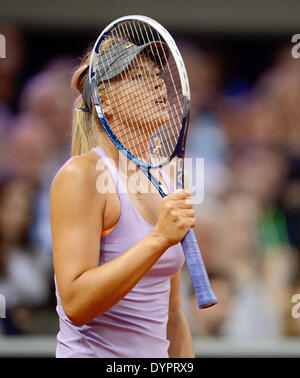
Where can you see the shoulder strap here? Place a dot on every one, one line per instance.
(112, 168)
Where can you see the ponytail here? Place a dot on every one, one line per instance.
(86, 129)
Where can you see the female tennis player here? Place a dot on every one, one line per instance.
(117, 256)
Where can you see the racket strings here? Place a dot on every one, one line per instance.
(151, 48)
(145, 34)
(123, 32)
(123, 101)
(169, 70)
(131, 130)
(152, 130)
(117, 118)
(165, 138)
(152, 126)
(129, 142)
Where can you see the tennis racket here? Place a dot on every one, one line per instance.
(140, 90)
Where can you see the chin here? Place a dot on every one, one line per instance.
(160, 120)
(153, 124)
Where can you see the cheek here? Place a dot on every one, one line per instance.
(124, 99)
(136, 103)
(133, 104)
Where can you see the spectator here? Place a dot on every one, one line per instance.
(24, 270)
(48, 97)
(10, 69)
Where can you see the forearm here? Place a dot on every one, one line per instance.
(179, 335)
(100, 288)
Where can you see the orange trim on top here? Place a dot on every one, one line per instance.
(107, 231)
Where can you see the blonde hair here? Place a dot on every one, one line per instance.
(87, 130)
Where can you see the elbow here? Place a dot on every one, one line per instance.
(74, 308)
(79, 316)
(79, 309)
(74, 315)
(74, 318)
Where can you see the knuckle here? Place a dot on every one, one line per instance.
(174, 215)
(181, 224)
(189, 204)
(169, 206)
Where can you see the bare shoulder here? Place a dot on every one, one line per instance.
(77, 176)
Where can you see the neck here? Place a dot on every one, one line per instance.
(135, 137)
(122, 163)
(112, 151)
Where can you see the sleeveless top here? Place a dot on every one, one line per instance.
(137, 325)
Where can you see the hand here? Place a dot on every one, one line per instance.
(176, 217)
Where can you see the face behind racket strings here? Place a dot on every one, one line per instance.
(140, 91)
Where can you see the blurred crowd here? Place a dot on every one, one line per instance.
(249, 220)
(34, 143)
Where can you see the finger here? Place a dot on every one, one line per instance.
(186, 223)
(191, 222)
(183, 204)
(186, 213)
(180, 194)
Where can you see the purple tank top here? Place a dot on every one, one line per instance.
(137, 325)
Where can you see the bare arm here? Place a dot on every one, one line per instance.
(86, 289)
(178, 331)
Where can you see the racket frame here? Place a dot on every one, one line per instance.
(186, 97)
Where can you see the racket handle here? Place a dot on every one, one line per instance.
(204, 292)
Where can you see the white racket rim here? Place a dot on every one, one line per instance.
(186, 97)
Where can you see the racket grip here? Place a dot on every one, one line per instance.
(204, 292)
